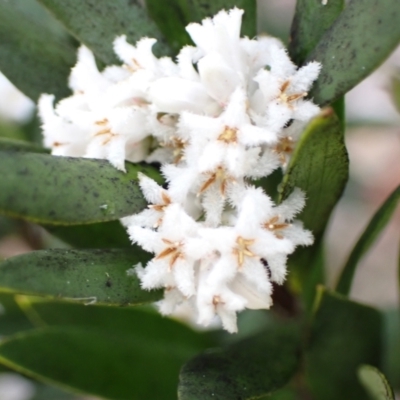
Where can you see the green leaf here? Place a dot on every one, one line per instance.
(248, 369)
(33, 131)
(96, 23)
(320, 167)
(307, 266)
(201, 9)
(367, 239)
(9, 130)
(311, 20)
(114, 353)
(104, 235)
(375, 383)
(7, 144)
(32, 55)
(172, 27)
(343, 335)
(68, 191)
(110, 234)
(358, 42)
(93, 276)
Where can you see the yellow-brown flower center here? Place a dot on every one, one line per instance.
(178, 146)
(275, 226)
(220, 177)
(284, 148)
(106, 130)
(229, 135)
(286, 98)
(242, 249)
(173, 251)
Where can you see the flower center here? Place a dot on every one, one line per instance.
(105, 131)
(229, 135)
(286, 98)
(275, 226)
(284, 148)
(178, 146)
(173, 250)
(219, 176)
(242, 249)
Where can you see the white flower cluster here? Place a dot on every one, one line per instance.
(229, 111)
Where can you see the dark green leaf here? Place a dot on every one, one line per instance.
(68, 191)
(311, 20)
(97, 23)
(104, 235)
(87, 275)
(8, 226)
(116, 353)
(173, 26)
(307, 268)
(343, 335)
(270, 184)
(367, 239)
(391, 359)
(20, 145)
(131, 321)
(358, 42)
(201, 9)
(32, 55)
(340, 109)
(33, 130)
(248, 369)
(12, 319)
(182, 12)
(319, 166)
(375, 383)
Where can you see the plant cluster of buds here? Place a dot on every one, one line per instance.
(228, 112)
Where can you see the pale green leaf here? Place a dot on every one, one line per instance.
(375, 383)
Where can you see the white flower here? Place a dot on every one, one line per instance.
(174, 95)
(220, 35)
(60, 134)
(159, 200)
(284, 89)
(229, 111)
(172, 265)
